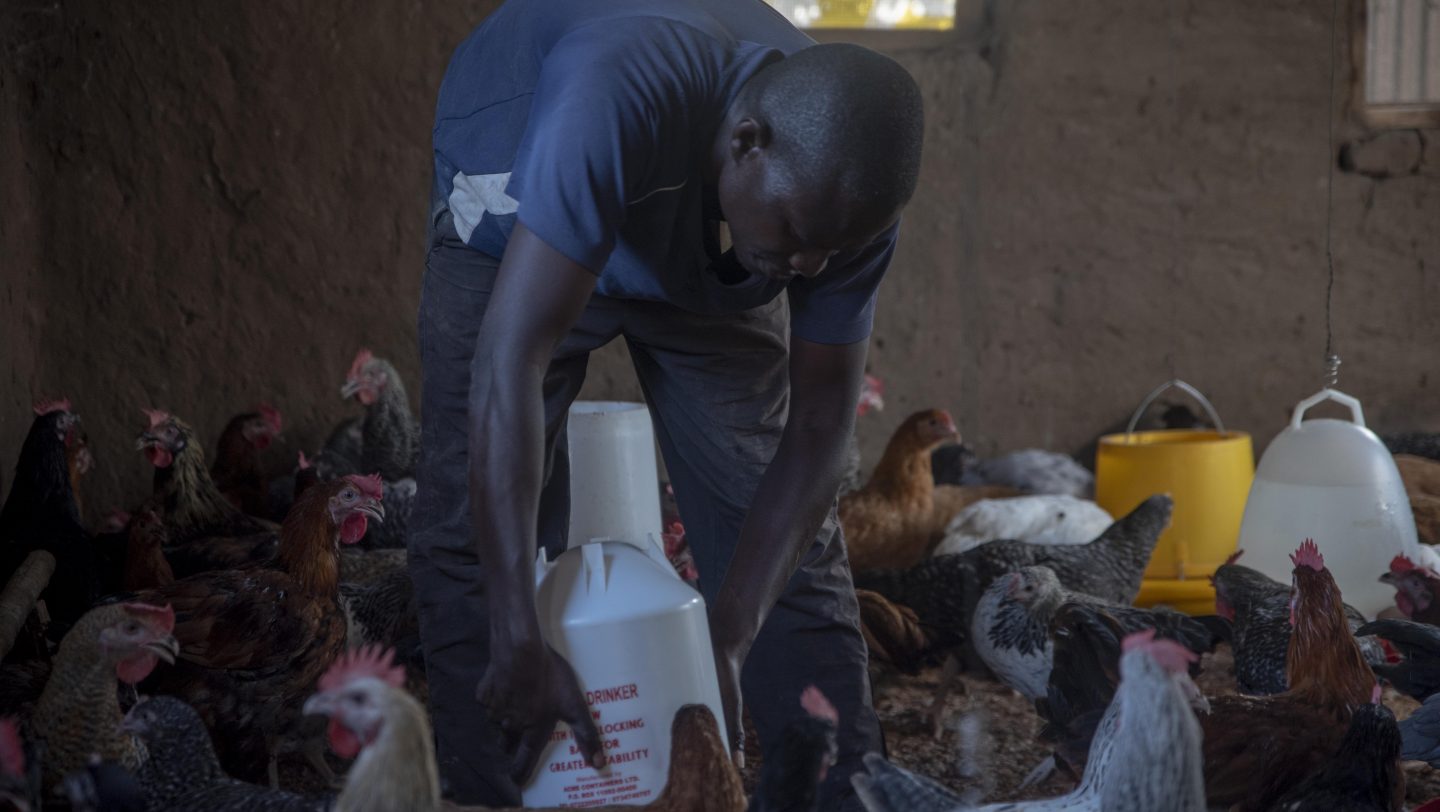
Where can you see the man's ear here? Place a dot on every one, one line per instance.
(749, 136)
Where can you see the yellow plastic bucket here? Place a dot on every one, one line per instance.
(1208, 473)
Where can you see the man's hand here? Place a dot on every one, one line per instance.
(526, 692)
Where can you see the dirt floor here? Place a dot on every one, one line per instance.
(1007, 745)
(997, 757)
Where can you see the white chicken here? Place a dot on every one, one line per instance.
(1041, 519)
(1145, 756)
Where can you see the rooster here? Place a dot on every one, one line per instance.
(78, 712)
(181, 772)
(237, 471)
(247, 686)
(206, 531)
(390, 437)
(1258, 608)
(43, 513)
(1418, 674)
(1257, 748)
(1011, 627)
(888, 523)
(1363, 775)
(1145, 758)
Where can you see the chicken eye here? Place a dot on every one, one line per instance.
(131, 627)
(348, 495)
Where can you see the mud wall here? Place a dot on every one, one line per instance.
(207, 205)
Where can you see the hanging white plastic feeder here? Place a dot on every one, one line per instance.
(1335, 482)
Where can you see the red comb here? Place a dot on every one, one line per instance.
(44, 407)
(371, 485)
(165, 617)
(271, 416)
(304, 463)
(366, 661)
(1308, 556)
(1235, 556)
(12, 752)
(157, 417)
(1399, 565)
(815, 704)
(362, 358)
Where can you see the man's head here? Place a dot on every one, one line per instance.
(818, 154)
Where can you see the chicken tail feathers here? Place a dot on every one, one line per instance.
(885, 787)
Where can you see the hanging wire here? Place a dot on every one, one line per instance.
(1332, 359)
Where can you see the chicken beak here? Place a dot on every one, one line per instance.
(321, 704)
(1388, 578)
(373, 509)
(145, 440)
(166, 648)
(351, 387)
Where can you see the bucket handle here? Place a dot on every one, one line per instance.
(1188, 389)
(1357, 415)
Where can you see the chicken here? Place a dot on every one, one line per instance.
(383, 613)
(78, 712)
(247, 686)
(390, 437)
(1032, 470)
(1415, 443)
(237, 471)
(1363, 775)
(1258, 608)
(677, 552)
(42, 512)
(19, 773)
(943, 590)
(1418, 675)
(145, 564)
(949, 501)
(791, 777)
(888, 523)
(374, 721)
(1044, 519)
(872, 399)
(1426, 510)
(1011, 626)
(1416, 589)
(1257, 748)
(103, 786)
(1420, 733)
(393, 533)
(1420, 474)
(892, 633)
(1146, 755)
(206, 531)
(181, 772)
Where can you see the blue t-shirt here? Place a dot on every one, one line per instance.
(592, 121)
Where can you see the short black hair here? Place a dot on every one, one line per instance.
(843, 120)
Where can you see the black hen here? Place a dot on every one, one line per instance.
(182, 773)
(43, 513)
(791, 777)
(1418, 675)
(1363, 775)
(1083, 679)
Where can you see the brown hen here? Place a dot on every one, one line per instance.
(253, 642)
(1257, 748)
(889, 522)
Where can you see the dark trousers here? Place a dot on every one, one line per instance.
(718, 391)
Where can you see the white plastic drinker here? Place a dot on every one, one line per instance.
(1335, 482)
(637, 636)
